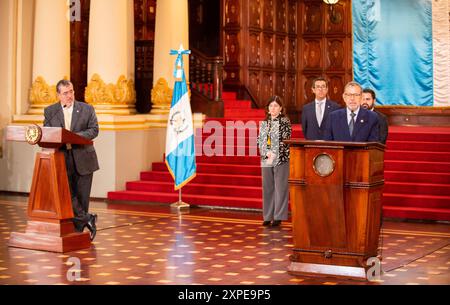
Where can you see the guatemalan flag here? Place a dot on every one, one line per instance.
(401, 49)
(180, 150)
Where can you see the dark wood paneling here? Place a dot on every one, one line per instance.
(144, 32)
(79, 38)
(325, 47)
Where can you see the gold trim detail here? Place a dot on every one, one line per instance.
(120, 94)
(42, 93)
(162, 94)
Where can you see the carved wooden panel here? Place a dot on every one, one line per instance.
(325, 48)
(339, 24)
(232, 13)
(335, 54)
(292, 17)
(254, 13)
(266, 88)
(312, 18)
(144, 19)
(280, 51)
(268, 56)
(312, 54)
(255, 83)
(292, 54)
(336, 87)
(231, 75)
(290, 98)
(268, 15)
(254, 49)
(306, 86)
(281, 16)
(280, 84)
(231, 51)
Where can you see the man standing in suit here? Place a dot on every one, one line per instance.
(315, 114)
(368, 102)
(81, 160)
(354, 123)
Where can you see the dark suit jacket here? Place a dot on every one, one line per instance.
(382, 119)
(310, 127)
(84, 123)
(366, 127)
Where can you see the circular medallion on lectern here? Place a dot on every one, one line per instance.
(33, 134)
(323, 164)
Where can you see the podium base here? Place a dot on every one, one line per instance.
(308, 269)
(52, 237)
(180, 205)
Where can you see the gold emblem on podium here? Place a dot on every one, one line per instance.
(33, 134)
(323, 165)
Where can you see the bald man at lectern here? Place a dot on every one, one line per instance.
(81, 160)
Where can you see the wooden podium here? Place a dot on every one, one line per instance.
(49, 226)
(335, 192)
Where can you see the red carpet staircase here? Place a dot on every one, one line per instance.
(417, 170)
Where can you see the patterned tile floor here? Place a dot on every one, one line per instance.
(150, 244)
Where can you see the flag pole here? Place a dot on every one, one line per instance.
(179, 204)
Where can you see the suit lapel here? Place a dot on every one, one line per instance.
(344, 123)
(60, 115)
(75, 115)
(360, 121)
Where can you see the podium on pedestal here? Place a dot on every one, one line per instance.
(49, 225)
(335, 193)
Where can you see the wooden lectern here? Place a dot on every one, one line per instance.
(49, 226)
(335, 193)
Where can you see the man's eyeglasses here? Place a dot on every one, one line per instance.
(320, 87)
(352, 94)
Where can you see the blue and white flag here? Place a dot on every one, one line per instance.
(180, 149)
(401, 49)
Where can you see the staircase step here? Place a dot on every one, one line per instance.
(414, 166)
(422, 133)
(417, 177)
(197, 189)
(234, 104)
(422, 201)
(244, 160)
(217, 168)
(238, 113)
(228, 201)
(416, 155)
(417, 188)
(416, 213)
(226, 179)
(418, 146)
(229, 95)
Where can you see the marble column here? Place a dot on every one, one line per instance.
(111, 57)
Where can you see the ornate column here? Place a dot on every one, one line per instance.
(111, 57)
(171, 30)
(51, 52)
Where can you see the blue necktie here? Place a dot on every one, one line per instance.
(352, 123)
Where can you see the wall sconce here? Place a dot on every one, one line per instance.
(335, 17)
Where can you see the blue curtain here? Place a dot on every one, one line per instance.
(393, 50)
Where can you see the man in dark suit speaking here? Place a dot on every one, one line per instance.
(354, 123)
(81, 160)
(315, 114)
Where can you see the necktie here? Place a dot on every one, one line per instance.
(352, 123)
(319, 113)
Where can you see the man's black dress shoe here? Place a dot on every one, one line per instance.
(266, 223)
(276, 223)
(92, 227)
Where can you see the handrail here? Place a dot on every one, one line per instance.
(206, 75)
